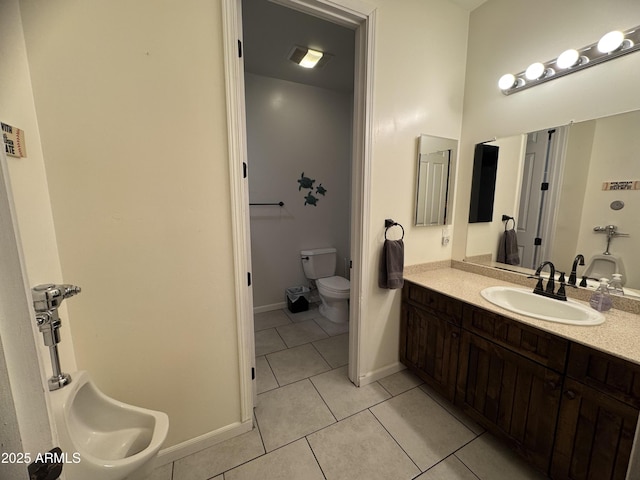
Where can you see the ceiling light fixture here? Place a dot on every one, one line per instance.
(308, 57)
(612, 45)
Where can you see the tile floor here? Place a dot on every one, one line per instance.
(312, 423)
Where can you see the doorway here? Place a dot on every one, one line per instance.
(361, 19)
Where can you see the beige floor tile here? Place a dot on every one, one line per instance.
(268, 341)
(332, 328)
(490, 459)
(297, 363)
(272, 319)
(289, 413)
(400, 382)
(264, 376)
(335, 350)
(300, 333)
(161, 473)
(449, 469)
(343, 397)
(294, 461)
(214, 460)
(425, 430)
(452, 409)
(360, 448)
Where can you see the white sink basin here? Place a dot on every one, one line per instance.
(525, 302)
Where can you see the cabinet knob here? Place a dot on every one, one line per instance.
(455, 334)
(570, 394)
(552, 385)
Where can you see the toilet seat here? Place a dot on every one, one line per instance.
(334, 285)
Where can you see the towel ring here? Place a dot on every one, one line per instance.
(506, 218)
(388, 223)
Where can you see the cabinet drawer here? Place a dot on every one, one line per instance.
(445, 307)
(542, 347)
(606, 373)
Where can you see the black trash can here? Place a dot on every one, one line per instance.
(298, 299)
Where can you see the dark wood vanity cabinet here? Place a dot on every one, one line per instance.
(430, 336)
(598, 416)
(513, 392)
(570, 410)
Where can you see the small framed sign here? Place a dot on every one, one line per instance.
(622, 185)
(13, 141)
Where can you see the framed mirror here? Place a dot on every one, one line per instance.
(435, 167)
(593, 184)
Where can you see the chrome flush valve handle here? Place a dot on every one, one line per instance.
(49, 296)
(46, 300)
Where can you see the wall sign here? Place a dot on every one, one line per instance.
(13, 141)
(622, 185)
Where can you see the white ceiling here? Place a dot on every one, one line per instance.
(271, 31)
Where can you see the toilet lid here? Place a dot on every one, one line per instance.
(339, 284)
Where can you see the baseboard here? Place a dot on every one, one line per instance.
(380, 373)
(269, 308)
(181, 450)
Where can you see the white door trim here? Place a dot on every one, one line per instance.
(360, 17)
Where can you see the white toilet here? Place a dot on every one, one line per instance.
(604, 266)
(320, 265)
(105, 439)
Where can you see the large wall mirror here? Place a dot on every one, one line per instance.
(436, 164)
(564, 186)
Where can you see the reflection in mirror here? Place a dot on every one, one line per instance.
(567, 189)
(436, 159)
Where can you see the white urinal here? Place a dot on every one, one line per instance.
(604, 266)
(109, 440)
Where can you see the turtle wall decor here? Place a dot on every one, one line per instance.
(310, 198)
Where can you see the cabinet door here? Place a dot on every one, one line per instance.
(429, 347)
(510, 395)
(595, 435)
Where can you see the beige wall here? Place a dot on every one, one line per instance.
(539, 31)
(130, 101)
(131, 107)
(417, 90)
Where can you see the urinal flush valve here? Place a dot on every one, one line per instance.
(46, 301)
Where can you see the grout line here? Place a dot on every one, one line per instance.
(394, 439)
(314, 456)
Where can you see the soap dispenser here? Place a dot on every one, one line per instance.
(601, 299)
(615, 285)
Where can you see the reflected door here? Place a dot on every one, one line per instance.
(433, 191)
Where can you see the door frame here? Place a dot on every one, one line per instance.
(361, 18)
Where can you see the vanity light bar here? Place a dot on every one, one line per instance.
(612, 45)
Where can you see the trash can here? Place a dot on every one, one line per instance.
(298, 299)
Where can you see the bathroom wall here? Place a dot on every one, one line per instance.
(614, 157)
(538, 32)
(131, 108)
(418, 89)
(294, 128)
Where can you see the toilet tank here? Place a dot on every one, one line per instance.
(318, 262)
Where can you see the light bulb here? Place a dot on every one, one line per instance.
(568, 59)
(507, 81)
(534, 71)
(610, 42)
(311, 59)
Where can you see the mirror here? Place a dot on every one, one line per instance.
(436, 161)
(592, 182)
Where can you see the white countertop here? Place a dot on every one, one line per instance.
(619, 335)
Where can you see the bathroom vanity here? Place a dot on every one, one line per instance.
(566, 397)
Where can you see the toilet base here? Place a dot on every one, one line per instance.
(337, 312)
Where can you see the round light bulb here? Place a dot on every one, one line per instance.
(568, 59)
(610, 42)
(534, 71)
(507, 81)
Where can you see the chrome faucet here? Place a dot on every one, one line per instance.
(549, 291)
(46, 301)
